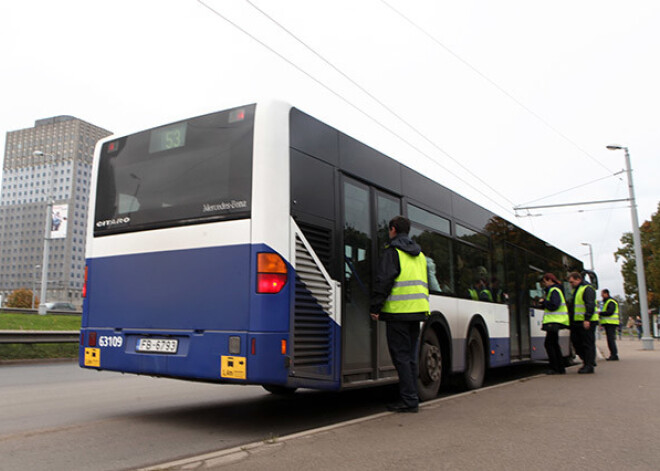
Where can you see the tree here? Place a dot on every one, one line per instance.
(650, 235)
(21, 298)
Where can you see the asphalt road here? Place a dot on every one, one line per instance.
(57, 416)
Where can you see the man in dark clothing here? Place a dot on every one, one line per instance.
(400, 299)
(584, 321)
(609, 319)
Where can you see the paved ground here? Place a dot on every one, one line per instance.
(606, 421)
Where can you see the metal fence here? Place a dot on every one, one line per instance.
(39, 336)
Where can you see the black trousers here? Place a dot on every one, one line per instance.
(577, 338)
(590, 344)
(584, 341)
(610, 330)
(553, 349)
(402, 340)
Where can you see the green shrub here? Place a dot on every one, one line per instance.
(21, 298)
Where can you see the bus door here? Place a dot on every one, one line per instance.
(535, 312)
(516, 275)
(365, 355)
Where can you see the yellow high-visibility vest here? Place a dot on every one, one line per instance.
(560, 316)
(614, 318)
(410, 292)
(581, 308)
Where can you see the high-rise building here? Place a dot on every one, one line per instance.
(50, 161)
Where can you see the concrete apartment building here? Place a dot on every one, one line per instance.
(64, 171)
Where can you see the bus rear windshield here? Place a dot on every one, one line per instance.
(193, 171)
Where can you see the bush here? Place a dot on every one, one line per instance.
(21, 298)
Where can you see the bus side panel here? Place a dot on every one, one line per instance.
(185, 289)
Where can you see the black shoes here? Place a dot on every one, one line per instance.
(612, 358)
(586, 370)
(401, 407)
(555, 372)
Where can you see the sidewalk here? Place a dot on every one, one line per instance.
(606, 421)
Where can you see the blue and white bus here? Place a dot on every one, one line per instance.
(240, 246)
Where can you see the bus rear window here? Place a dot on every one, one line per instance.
(190, 172)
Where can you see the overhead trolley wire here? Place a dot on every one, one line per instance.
(573, 188)
(497, 86)
(348, 102)
(377, 100)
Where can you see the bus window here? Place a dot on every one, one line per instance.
(473, 273)
(437, 250)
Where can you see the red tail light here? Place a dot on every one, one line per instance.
(92, 339)
(84, 293)
(271, 273)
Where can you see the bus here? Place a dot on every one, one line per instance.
(240, 246)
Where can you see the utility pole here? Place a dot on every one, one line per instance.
(647, 340)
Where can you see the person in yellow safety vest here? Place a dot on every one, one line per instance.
(582, 308)
(609, 319)
(555, 317)
(401, 299)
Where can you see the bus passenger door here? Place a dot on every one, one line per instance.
(366, 214)
(358, 330)
(516, 286)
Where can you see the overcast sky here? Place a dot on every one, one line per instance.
(525, 95)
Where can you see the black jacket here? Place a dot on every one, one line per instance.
(388, 270)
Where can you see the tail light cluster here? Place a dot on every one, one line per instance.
(271, 273)
(84, 293)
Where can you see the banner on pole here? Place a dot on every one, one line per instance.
(59, 217)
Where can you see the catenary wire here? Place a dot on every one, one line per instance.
(348, 102)
(498, 87)
(573, 188)
(377, 100)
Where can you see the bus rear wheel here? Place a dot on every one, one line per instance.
(279, 390)
(430, 366)
(475, 368)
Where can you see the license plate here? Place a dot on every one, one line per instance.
(148, 345)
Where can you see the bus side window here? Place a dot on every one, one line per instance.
(437, 250)
(473, 273)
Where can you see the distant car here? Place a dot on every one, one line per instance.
(60, 306)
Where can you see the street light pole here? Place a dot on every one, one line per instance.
(34, 295)
(49, 217)
(591, 255)
(647, 340)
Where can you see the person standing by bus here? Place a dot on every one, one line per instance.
(555, 318)
(609, 319)
(584, 321)
(401, 299)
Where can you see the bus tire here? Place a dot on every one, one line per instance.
(430, 366)
(279, 390)
(475, 361)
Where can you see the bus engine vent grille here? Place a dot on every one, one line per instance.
(320, 239)
(312, 323)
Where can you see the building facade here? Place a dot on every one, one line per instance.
(51, 161)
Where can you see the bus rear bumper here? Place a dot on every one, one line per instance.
(216, 356)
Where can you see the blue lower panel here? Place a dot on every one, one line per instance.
(198, 356)
(500, 352)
